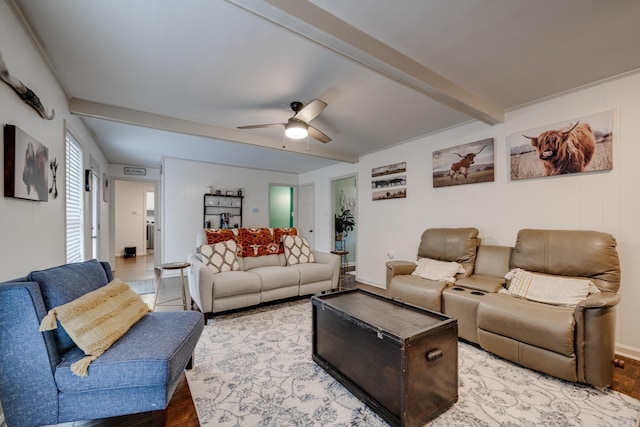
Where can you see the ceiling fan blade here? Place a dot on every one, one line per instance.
(318, 135)
(311, 110)
(269, 125)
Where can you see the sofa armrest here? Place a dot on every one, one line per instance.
(332, 260)
(200, 284)
(28, 358)
(396, 268)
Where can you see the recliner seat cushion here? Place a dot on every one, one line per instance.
(546, 326)
(230, 283)
(416, 290)
(313, 272)
(147, 355)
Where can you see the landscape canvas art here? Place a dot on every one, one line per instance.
(389, 181)
(583, 144)
(464, 164)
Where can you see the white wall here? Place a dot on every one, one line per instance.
(33, 233)
(605, 201)
(183, 185)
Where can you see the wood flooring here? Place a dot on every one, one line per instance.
(181, 410)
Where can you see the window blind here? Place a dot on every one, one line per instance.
(74, 201)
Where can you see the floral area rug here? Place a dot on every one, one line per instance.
(254, 368)
(142, 287)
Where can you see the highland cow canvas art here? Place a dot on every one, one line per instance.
(583, 144)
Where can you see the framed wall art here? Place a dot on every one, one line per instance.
(389, 182)
(583, 144)
(464, 164)
(26, 166)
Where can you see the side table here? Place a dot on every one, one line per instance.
(344, 268)
(172, 266)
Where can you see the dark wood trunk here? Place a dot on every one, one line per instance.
(400, 360)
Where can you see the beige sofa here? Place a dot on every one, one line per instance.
(575, 343)
(258, 279)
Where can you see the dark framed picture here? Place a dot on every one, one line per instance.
(26, 166)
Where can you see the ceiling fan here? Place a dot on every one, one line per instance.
(298, 127)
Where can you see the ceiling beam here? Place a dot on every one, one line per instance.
(321, 27)
(85, 108)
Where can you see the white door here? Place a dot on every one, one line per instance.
(306, 216)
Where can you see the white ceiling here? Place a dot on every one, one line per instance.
(158, 78)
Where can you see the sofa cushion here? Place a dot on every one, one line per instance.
(546, 288)
(252, 262)
(62, 284)
(256, 242)
(574, 253)
(450, 244)
(230, 283)
(541, 325)
(145, 356)
(297, 250)
(97, 319)
(279, 233)
(221, 256)
(432, 269)
(273, 277)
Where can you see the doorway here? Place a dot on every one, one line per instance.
(134, 208)
(281, 212)
(345, 195)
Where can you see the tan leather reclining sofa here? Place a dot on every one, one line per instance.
(572, 342)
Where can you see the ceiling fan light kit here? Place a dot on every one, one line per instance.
(296, 129)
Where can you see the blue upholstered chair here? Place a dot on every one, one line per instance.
(138, 373)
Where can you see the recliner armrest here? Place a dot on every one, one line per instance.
(331, 259)
(396, 268)
(200, 284)
(599, 300)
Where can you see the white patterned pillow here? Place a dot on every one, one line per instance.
(297, 250)
(558, 290)
(441, 271)
(220, 256)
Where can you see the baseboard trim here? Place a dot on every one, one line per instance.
(627, 351)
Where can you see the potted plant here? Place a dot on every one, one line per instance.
(344, 223)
